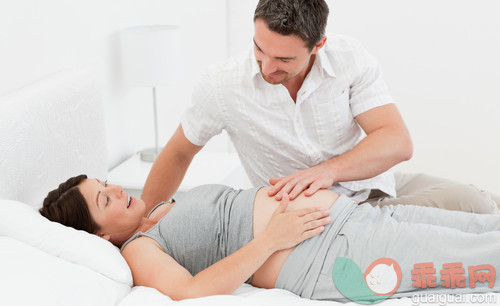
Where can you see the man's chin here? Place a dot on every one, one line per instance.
(274, 81)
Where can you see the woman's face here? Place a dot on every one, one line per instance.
(118, 214)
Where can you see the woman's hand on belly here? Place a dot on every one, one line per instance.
(286, 229)
(264, 207)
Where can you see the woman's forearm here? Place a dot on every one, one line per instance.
(228, 274)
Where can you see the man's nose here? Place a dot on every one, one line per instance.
(268, 66)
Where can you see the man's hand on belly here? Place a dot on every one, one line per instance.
(309, 181)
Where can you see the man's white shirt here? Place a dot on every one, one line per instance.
(274, 136)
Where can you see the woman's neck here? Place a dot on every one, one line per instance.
(148, 222)
(159, 212)
(155, 216)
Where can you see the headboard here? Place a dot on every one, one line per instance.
(49, 131)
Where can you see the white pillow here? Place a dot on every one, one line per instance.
(32, 277)
(21, 222)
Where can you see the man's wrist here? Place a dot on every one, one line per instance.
(333, 169)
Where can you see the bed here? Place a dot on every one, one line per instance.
(49, 131)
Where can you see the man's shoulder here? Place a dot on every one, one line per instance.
(343, 44)
(344, 52)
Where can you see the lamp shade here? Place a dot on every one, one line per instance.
(151, 55)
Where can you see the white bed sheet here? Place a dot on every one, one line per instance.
(246, 295)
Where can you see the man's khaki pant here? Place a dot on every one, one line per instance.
(425, 190)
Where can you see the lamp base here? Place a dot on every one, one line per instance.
(149, 154)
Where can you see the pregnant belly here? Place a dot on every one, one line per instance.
(264, 206)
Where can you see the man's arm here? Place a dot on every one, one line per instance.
(386, 144)
(169, 169)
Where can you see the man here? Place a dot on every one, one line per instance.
(304, 114)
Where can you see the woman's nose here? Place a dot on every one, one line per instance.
(116, 190)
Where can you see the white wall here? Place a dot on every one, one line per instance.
(38, 37)
(440, 61)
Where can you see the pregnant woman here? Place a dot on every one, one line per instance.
(213, 238)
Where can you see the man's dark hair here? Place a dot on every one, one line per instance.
(304, 18)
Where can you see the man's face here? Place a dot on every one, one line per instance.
(280, 58)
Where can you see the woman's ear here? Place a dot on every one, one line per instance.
(104, 236)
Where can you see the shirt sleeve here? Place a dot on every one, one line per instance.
(368, 89)
(201, 119)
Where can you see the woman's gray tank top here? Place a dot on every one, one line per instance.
(205, 225)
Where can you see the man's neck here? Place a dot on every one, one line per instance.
(294, 84)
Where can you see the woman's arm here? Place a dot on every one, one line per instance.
(154, 268)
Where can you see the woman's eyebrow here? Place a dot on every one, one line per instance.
(98, 193)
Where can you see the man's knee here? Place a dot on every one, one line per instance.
(457, 196)
(426, 190)
(416, 183)
(464, 197)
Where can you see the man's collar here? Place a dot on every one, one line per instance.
(324, 62)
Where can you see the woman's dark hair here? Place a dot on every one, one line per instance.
(67, 206)
(304, 18)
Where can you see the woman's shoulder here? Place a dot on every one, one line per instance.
(150, 232)
(137, 244)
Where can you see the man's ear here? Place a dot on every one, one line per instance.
(104, 236)
(319, 45)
